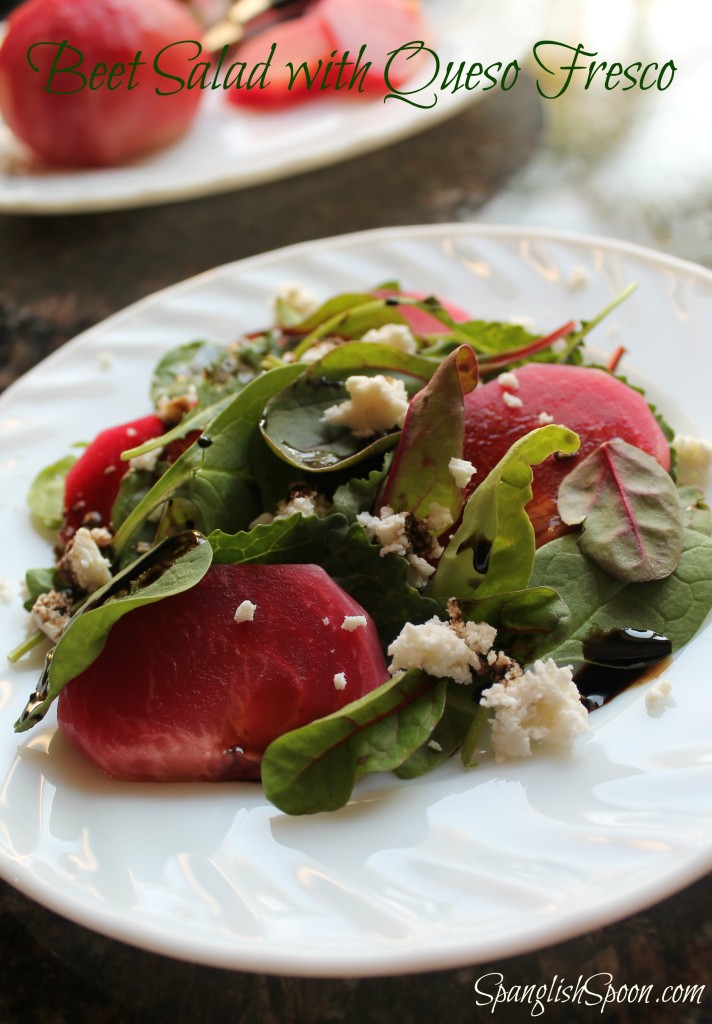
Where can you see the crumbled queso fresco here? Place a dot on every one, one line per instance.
(397, 336)
(461, 471)
(656, 697)
(541, 704)
(694, 459)
(245, 612)
(396, 531)
(340, 681)
(375, 404)
(300, 300)
(352, 622)
(84, 561)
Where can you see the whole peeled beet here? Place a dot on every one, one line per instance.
(95, 103)
(591, 402)
(185, 689)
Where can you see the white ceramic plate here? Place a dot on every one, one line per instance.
(446, 870)
(228, 148)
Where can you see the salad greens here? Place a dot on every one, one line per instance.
(251, 462)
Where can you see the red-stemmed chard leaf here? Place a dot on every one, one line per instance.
(630, 511)
(433, 433)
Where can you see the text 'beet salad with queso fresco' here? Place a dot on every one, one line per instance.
(368, 537)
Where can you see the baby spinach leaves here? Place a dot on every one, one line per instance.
(46, 494)
(293, 423)
(675, 606)
(168, 569)
(216, 478)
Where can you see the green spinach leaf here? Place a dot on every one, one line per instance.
(153, 577)
(675, 606)
(46, 494)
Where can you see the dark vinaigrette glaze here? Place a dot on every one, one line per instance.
(618, 658)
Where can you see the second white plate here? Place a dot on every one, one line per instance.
(229, 148)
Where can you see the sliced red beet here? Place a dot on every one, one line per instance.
(182, 691)
(591, 402)
(298, 40)
(93, 482)
(383, 26)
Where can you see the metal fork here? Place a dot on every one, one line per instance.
(236, 22)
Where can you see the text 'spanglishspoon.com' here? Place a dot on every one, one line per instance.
(598, 990)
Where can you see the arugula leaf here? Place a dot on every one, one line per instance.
(379, 584)
(217, 479)
(493, 549)
(630, 510)
(676, 606)
(433, 433)
(292, 424)
(46, 494)
(315, 768)
(168, 569)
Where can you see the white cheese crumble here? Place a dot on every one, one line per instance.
(461, 471)
(146, 462)
(318, 351)
(326, 621)
(442, 649)
(352, 622)
(694, 458)
(173, 410)
(578, 278)
(541, 705)
(513, 401)
(397, 336)
(340, 681)
(434, 745)
(300, 300)
(376, 404)
(656, 697)
(5, 591)
(508, 380)
(390, 530)
(85, 563)
(245, 612)
(437, 521)
(51, 613)
(545, 418)
(308, 503)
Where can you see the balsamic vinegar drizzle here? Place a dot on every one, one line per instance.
(618, 658)
(140, 574)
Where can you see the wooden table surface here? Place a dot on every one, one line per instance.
(61, 274)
